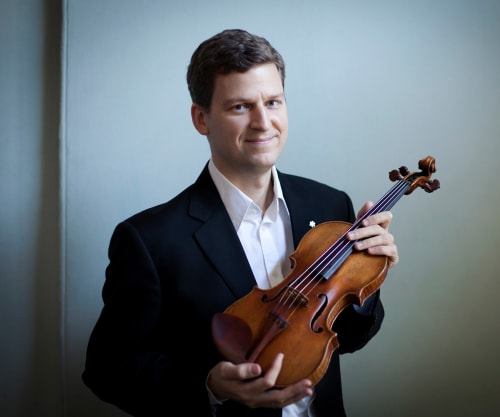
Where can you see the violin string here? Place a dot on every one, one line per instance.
(293, 296)
(333, 257)
(336, 254)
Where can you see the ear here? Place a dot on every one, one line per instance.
(198, 116)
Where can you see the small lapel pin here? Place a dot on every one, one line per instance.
(312, 223)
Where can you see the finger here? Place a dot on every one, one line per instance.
(364, 209)
(248, 370)
(368, 233)
(383, 219)
(391, 251)
(374, 248)
(228, 371)
(272, 373)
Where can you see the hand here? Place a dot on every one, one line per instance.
(246, 384)
(374, 236)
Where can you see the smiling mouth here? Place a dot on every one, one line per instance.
(262, 140)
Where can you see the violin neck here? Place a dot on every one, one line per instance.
(387, 202)
(335, 256)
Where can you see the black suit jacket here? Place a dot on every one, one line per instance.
(171, 268)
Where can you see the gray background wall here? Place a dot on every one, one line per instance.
(94, 126)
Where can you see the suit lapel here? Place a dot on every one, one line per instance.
(297, 209)
(217, 237)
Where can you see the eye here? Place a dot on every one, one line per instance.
(240, 107)
(273, 103)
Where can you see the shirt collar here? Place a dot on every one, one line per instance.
(238, 203)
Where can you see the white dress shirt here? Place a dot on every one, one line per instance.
(267, 241)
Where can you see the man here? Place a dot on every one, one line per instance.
(172, 267)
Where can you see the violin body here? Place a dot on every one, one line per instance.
(305, 335)
(296, 316)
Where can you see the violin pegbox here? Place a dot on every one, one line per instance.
(418, 179)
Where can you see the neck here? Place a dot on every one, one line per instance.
(259, 189)
(256, 184)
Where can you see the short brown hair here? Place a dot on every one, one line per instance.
(228, 51)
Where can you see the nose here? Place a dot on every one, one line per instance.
(260, 118)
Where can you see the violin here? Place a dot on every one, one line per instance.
(296, 316)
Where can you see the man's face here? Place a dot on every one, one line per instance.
(247, 126)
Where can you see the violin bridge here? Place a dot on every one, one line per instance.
(297, 296)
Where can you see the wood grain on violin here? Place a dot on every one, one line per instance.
(296, 316)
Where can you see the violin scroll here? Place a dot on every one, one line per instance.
(418, 179)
